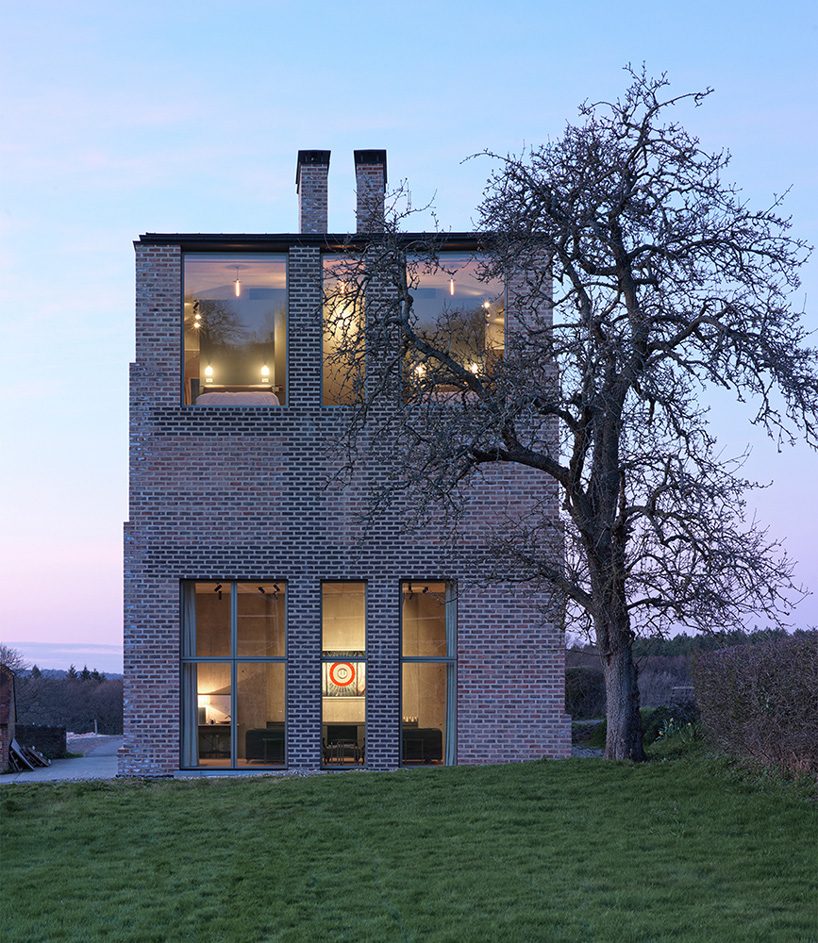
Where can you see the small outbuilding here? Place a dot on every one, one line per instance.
(7, 715)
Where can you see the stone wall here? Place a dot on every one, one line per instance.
(50, 741)
(7, 716)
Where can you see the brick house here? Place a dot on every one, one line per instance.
(263, 629)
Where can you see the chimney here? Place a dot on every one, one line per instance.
(311, 186)
(370, 180)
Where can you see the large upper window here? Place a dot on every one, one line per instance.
(457, 311)
(235, 329)
(427, 672)
(233, 674)
(343, 343)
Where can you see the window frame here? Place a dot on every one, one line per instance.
(285, 255)
(450, 660)
(233, 660)
(327, 659)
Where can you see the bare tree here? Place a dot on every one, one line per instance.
(11, 658)
(637, 279)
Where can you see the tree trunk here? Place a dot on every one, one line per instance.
(624, 737)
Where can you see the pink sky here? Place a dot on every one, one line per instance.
(120, 119)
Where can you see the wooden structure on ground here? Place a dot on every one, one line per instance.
(23, 758)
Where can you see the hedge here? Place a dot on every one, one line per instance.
(761, 701)
(584, 693)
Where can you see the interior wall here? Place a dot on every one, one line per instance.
(344, 710)
(261, 698)
(424, 694)
(261, 622)
(424, 620)
(212, 621)
(344, 617)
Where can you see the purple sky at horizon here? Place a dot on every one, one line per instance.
(121, 119)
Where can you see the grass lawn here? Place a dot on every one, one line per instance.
(683, 848)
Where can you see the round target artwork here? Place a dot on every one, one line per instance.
(344, 679)
(342, 674)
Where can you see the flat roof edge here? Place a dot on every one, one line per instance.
(242, 241)
(292, 236)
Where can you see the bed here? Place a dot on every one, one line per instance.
(237, 398)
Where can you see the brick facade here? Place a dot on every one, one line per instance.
(221, 493)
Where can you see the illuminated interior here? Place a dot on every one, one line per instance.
(343, 366)
(235, 329)
(457, 312)
(427, 677)
(343, 674)
(234, 683)
(234, 653)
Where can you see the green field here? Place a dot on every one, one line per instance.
(682, 848)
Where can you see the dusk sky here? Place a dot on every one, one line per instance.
(119, 119)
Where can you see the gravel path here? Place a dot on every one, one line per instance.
(97, 762)
(582, 731)
(586, 752)
(98, 744)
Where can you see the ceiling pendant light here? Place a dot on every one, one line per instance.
(451, 286)
(237, 284)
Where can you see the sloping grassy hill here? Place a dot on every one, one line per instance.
(682, 849)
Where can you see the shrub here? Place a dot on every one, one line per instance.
(656, 721)
(684, 731)
(584, 692)
(761, 700)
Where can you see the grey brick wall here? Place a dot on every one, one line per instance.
(237, 493)
(311, 182)
(370, 185)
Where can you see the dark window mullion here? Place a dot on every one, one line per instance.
(243, 658)
(234, 691)
(450, 747)
(428, 659)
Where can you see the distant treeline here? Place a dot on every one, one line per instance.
(74, 701)
(684, 644)
(665, 665)
(63, 673)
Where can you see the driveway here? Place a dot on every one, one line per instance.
(98, 761)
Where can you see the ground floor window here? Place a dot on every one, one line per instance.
(234, 674)
(428, 621)
(343, 674)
